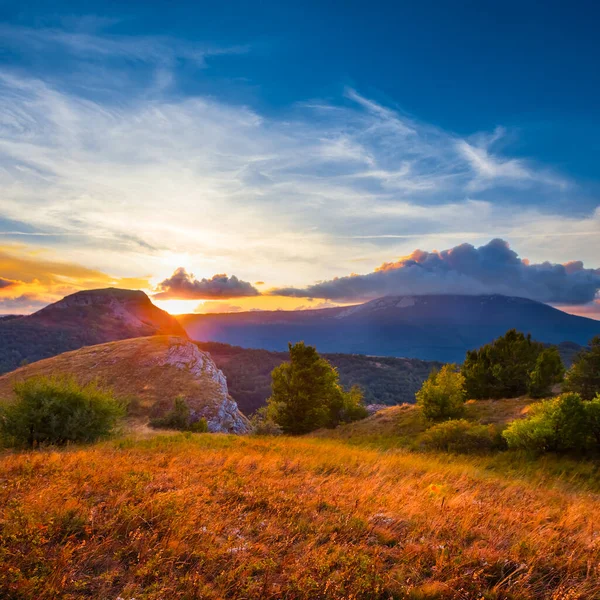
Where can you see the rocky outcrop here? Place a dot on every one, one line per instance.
(150, 372)
(223, 414)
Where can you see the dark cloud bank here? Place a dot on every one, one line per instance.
(490, 269)
(183, 286)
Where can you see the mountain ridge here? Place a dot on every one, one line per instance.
(82, 319)
(438, 327)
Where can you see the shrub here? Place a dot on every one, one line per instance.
(306, 394)
(262, 424)
(58, 411)
(556, 425)
(442, 395)
(592, 411)
(462, 436)
(180, 418)
(584, 375)
(505, 368)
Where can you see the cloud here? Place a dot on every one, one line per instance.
(493, 268)
(135, 175)
(85, 42)
(183, 286)
(32, 279)
(24, 304)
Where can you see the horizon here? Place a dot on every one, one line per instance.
(235, 158)
(310, 308)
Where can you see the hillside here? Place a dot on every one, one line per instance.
(400, 426)
(247, 518)
(82, 319)
(384, 380)
(436, 327)
(151, 372)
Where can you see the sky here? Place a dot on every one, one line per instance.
(261, 155)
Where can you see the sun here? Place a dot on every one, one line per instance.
(177, 307)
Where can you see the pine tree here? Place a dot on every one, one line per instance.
(306, 393)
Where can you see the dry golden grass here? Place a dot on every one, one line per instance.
(209, 516)
(398, 426)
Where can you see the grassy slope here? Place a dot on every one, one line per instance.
(399, 426)
(213, 516)
(130, 368)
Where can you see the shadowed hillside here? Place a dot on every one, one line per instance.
(82, 319)
(384, 380)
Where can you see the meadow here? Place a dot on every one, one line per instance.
(212, 516)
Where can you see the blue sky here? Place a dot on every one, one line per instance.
(292, 143)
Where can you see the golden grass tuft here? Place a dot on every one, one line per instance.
(214, 516)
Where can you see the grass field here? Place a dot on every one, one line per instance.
(215, 516)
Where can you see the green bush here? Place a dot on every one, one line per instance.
(180, 418)
(307, 395)
(442, 395)
(557, 425)
(262, 424)
(58, 411)
(583, 377)
(510, 366)
(463, 437)
(592, 411)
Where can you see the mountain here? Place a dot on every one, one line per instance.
(383, 380)
(151, 372)
(434, 327)
(82, 319)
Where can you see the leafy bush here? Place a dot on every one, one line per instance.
(58, 411)
(556, 425)
(547, 372)
(180, 418)
(307, 394)
(584, 375)
(443, 394)
(592, 411)
(262, 424)
(462, 436)
(508, 367)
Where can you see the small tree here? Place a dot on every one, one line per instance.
(443, 395)
(306, 394)
(59, 411)
(548, 371)
(584, 375)
(557, 425)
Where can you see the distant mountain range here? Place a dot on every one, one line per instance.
(433, 327)
(82, 319)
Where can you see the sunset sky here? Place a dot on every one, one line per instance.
(240, 155)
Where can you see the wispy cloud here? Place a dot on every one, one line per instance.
(155, 180)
